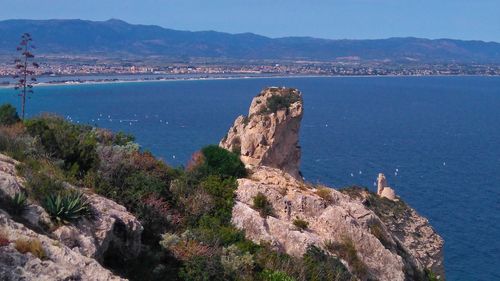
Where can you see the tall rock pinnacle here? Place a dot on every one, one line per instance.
(269, 135)
(391, 241)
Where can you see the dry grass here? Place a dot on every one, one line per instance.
(13, 141)
(377, 231)
(346, 250)
(355, 192)
(325, 193)
(300, 224)
(13, 131)
(4, 239)
(262, 204)
(34, 246)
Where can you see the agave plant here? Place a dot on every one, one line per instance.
(68, 207)
(18, 203)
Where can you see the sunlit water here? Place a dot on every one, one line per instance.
(436, 138)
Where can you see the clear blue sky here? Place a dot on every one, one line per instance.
(460, 19)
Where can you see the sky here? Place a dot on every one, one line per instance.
(335, 19)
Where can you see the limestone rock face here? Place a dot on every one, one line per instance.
(112, 227)
(9, 182)
(269, 135)
(330, 219)
(391, 239)
(61, 263)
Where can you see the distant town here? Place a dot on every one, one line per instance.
(65, 68)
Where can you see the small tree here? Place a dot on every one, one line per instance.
(25, 73)
(8, 115)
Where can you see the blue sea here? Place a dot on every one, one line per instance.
(437, 139)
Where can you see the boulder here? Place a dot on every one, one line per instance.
(383, 190)
(112, 228)
(388, 193)
(60, 262)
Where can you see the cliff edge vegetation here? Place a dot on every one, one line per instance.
(83, 203)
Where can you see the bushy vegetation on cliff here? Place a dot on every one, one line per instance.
(186, 212)
(280, 102)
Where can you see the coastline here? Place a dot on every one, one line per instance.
(107, 80)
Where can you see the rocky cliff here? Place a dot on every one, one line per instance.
(376, 238)
(68, 252)
(269, 135)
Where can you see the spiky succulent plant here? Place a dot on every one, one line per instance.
(65, 208)
(18, 203)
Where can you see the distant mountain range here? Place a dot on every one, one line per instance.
(117, 38)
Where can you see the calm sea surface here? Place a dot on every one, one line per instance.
(442, 135)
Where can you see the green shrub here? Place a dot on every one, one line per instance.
(386, 209)
(430, 275)
(8, 115)
(325, 193)
(40, 186)
(212, 231)
(319, 266)
(74, 144)
(270, 275)
(268, 258)
(138, 185)
(347, 251)
(15, 142)
(221, 162)
(157, 216)
(300, 224)
(67, 208)
(279, 102)
(222, 191)
(247, 245)
(33, 246)
(122, 139)
(18, 203)
(237, 264)
(261, 204)
(202, 269)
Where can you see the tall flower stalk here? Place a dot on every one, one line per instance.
(25, 73)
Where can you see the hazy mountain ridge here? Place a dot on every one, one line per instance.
(116, 37)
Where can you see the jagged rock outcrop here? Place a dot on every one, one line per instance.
(111, 228)
(61, 263)
(269, 135)
(391, 240)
